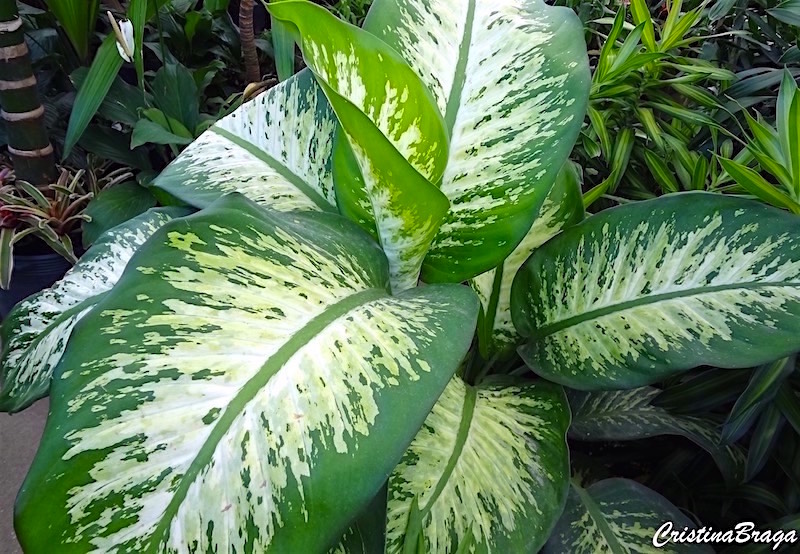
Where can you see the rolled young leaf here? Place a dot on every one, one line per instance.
(489, 467)
(618, 516)
(646, 290)
(562, 207)
(248, 385)
(36, 332)
(276, 150)
(391, 124)
(511, 78)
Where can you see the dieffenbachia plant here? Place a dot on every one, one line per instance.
(269, 375)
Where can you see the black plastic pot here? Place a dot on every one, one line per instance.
(32, 273)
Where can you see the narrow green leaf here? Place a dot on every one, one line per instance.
(789, 404)
(660, 172)
(629, 46)
(783, 106)
(107, 63)
(77, 18)
(641, 16)
(683, 23)
(700, 172)
(34, 193)
(720, 9)
(137, 13)
(759, 187)
(761, 390)
(649, 289)
(600, 127)
(606, 53)
(697, 94)
(794, 143)
(763, 441)
(787, 12)
(700, 393)
(651, 127)
(6, 256)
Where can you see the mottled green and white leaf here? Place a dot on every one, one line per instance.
(646, 290)
(630, 415)
(225, 395)
(392, 127)
(562, 207)
(36, 332)
(490, 465)
(511, 78)
(618, 516)
(275, 149)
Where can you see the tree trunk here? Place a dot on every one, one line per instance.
(248, 38)
(22, 113)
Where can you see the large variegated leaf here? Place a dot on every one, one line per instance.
(487, 472)
(619, 516)
(247, 386)
(562, 207)
(511, 78)
(648, 289)
(275, 149)
(367, 534)
(392, 127)
(36, 332)
(630, 415)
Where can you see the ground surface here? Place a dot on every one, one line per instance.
(19, 438)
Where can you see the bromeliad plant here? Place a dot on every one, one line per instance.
(265, 375)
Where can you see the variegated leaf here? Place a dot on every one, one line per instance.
(488, 468)
(36, 332)
(392, 128)
(630, 415)
(275, 149)
(642, 291)
(246, 387)
(511, 78)
(618, 516)
(562, 207)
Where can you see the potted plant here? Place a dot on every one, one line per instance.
(34, 168)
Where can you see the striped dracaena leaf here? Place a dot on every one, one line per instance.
(511, 78)
(36, 332)
(645, 290)
(489, 468)
(630, 415)
(562, 207)
(275, 149)
(246, 387)
(390, 127)
(618, 516)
